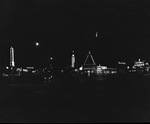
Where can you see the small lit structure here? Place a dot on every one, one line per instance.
(89, 56)
(99, 70)
(25, 70)
(89, 67)
(141, 66)
(19, 70)
(139, 63)
(92, 68)
(12, 60)
(73, 60)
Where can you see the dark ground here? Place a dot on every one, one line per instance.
(113, 100)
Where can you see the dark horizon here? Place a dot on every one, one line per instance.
(63, 26)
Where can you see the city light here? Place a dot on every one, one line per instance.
(25, 70)
(123, 63)
(81, 68)
(30, 67)
(89, 67)
(33, 71)
(12, 61)
(96, 34)
(37, 43)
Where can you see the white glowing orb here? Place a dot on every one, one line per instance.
(81, 68)
(37, 43)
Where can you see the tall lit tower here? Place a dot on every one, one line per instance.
(96, 34)
(73, 60)
(12, 61)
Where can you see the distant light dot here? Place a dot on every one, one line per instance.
(37, 43)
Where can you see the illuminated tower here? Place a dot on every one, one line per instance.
(89, 58)
(73, 60)
(12, 61)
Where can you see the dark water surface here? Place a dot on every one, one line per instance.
(113, 100)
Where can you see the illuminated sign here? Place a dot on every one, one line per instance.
(123, 63)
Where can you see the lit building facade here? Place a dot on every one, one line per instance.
(12, 59)
(93, 69)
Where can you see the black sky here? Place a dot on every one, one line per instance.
(61, 26)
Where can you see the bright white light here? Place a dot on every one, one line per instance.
(103, 67)
(81, 68)
(33, 71)
(7, 67)
(146, 64)
(37, 43)
(25, 70)
(72, 61)
(96, 34)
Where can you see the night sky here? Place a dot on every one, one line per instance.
(61, 26)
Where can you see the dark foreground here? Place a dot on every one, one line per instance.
(114, 100)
